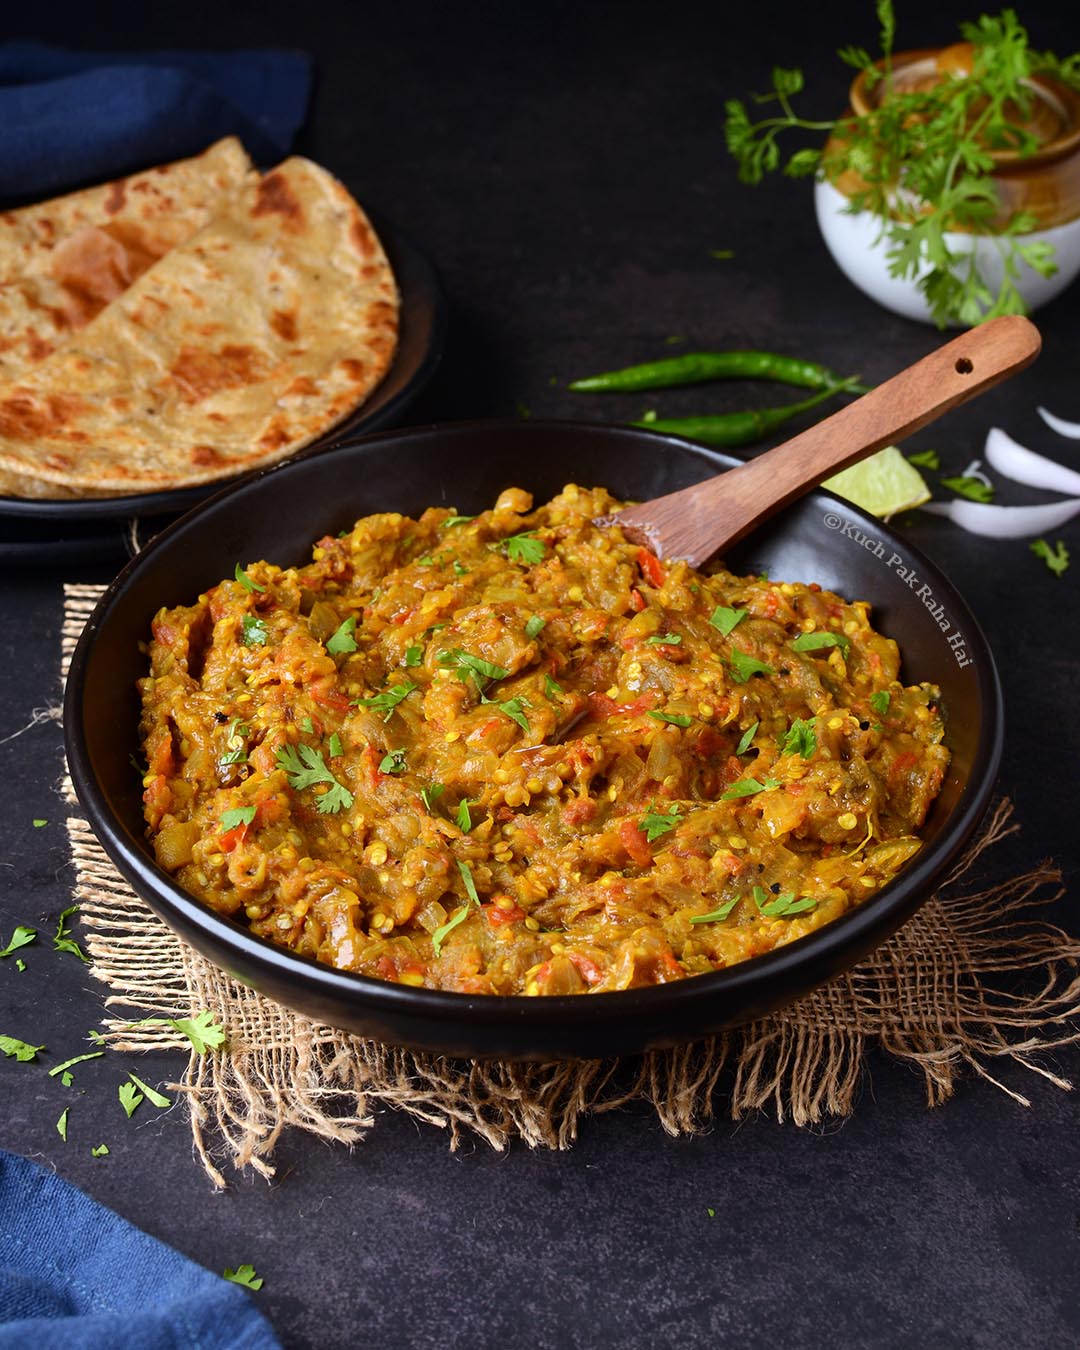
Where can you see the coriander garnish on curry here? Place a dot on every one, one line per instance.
(518, 754)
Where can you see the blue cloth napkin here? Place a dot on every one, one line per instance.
(68, 118)
(75, 1276)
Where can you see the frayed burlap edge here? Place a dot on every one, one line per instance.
(932, 996)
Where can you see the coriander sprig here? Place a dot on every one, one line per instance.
(921, 160)
(307, 768)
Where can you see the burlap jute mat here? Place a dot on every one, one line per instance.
(971, 980)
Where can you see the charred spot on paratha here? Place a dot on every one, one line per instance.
(283, 322)
(199, 373)
(274, 197)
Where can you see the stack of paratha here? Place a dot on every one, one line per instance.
(185, 325)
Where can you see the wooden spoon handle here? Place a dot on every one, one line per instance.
(701, 520)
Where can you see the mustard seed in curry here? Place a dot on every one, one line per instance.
(516, 754)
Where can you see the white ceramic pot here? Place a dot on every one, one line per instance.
(855, 242)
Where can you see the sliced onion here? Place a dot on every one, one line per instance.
(975, 470)
(1063, 428)
(1025, 466)
(1005, 522)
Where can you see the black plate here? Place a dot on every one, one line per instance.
(280, 512)
(420, 343)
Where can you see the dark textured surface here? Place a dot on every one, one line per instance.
(565, 170)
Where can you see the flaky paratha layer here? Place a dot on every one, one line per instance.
(63, 261)
(240, 346)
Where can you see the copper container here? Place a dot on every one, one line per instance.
(1044, 184)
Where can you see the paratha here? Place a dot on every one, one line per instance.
(63, 261)
(237, 348)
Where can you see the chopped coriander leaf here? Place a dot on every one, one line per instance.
(253, 631)
(535, 626)
(332, 801)
(61, 1124)
(675, 719)
(525, 548)
(655, 823)
(22, 937)
(201, 1030)
(95, 1036)
(709, 1210)
(305, 724)
(426, 561)
(66, 1079)
(102, 1151)
(334, 748)
(714, 916)
(244, 1275)
(393, 762)
(880, 702)
(473, 668)
(747, 738)
(306, 769)
(470, 885)
(925, 459)
(20, 964)
(154, 1097)
(24, 1053)
(514, 709)
(664, 639)
(800, 738)
(785, 905)
(551, 687)
(974, 489)
(62, 941)
(464, 816)
(746, 787)
(413, 656)
(388, 700)
(245, 581)
(130, 1098)
(742, 667)
(1056, 558)
(440, 934)
(460, 570)
(816, 642)
(724, 619)
(342, 639)
(239, 815)
(61, 1069)
(429, 795)
(236, 756)
(451, 521)
(37, 822)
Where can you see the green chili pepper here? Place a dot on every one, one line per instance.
(694, 367)
(741, 428)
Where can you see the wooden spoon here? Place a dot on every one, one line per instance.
(710, 516)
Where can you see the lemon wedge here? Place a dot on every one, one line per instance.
(882, 484)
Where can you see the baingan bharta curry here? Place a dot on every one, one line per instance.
(517, 754)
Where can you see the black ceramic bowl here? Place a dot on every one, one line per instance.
(278, 514)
